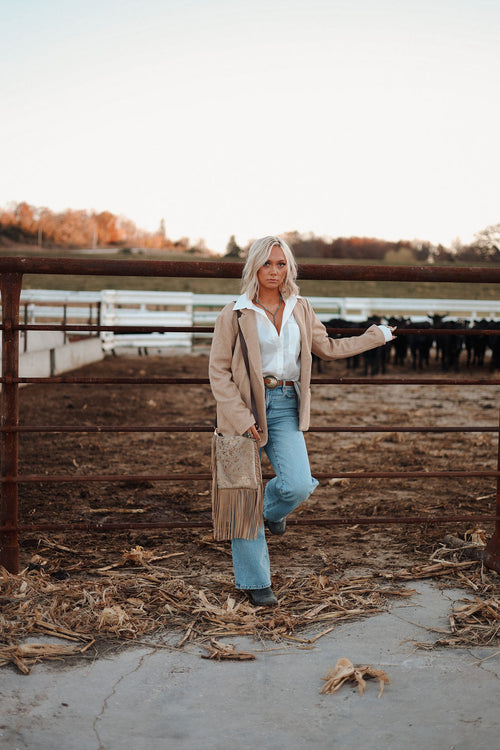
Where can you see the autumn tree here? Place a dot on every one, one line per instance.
(23, 223)
(25, 217)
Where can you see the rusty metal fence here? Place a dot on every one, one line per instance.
(12, 271)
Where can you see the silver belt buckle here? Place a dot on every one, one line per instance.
(273, 382)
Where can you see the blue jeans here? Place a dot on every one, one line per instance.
(293, 483)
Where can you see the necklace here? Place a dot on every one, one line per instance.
(272, 314)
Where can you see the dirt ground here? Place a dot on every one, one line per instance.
(304, 550)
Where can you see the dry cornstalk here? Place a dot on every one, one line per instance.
(139, 601)
(26, 654)
(346, 671)
(222, 651)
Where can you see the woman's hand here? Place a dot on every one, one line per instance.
(253, 432)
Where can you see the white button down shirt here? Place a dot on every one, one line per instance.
(280, 352)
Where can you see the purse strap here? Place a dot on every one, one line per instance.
(244, 351)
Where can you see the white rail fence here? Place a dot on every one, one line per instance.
(143, 308)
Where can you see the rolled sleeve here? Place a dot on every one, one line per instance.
(387, 333)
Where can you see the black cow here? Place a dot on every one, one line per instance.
(476, 345)
(374, 359)
(451, 345)
(494, 344)
(419, 344)
(437, 322)
(400, 343)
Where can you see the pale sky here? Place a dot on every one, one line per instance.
(376, 118)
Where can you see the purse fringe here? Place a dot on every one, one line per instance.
(236, 513)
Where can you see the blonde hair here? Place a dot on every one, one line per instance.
(259, 252)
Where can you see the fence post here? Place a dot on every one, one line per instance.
(65, 319)
(25, 337)
(10, 287)
(491, 554)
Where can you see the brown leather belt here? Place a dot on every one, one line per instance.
(271, 382)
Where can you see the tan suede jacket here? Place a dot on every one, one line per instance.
(228, 375)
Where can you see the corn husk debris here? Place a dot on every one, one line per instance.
(345, 671)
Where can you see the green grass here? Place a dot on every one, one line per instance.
(231, 286)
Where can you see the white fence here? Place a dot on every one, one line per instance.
(142, 308)
(128, 308)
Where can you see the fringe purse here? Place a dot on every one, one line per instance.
(237, 494)
(237, 490)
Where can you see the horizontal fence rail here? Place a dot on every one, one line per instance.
(12, 271)
(209, 428)
(228, 270)
(209, 329)
(204, 476)
(58, 379)
(326, 521)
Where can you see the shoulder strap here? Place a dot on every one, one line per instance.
(244, 351)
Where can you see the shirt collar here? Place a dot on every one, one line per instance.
(244, 302)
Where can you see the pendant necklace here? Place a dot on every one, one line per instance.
(272, 314)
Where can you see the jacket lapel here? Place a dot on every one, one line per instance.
(249, 330)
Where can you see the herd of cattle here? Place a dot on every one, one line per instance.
(415, 341)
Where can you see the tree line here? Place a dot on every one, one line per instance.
(484, 248)
(30, 225)
(22, 223)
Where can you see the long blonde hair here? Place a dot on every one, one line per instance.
(259, 252)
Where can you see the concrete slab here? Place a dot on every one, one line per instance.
(45, 363)
(163, 698)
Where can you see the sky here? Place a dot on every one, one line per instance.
(376, 118)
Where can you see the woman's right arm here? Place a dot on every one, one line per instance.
(230, 405)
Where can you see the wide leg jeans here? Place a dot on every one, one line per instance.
(292, 485)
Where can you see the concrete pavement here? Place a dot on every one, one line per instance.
(444, 699)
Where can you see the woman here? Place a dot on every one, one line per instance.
(281, 332)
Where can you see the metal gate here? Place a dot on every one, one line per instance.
(12, 271)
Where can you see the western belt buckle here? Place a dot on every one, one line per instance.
(273, 382)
